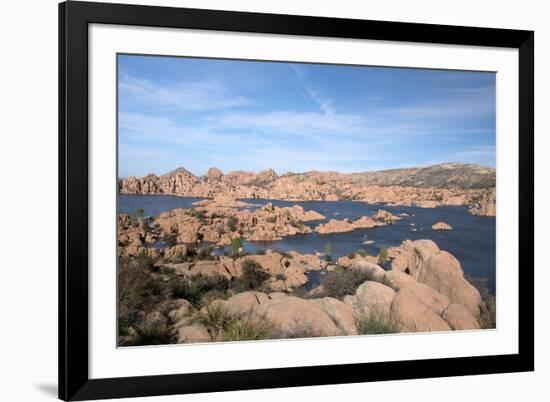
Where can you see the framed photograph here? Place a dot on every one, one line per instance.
(257, 200)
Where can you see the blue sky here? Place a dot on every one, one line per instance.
(245, 115)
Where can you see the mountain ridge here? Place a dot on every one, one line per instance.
(442, 175)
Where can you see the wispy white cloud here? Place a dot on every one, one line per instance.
(482, 151)
(159, 129)
(323, 102)
(297, 123)
(185, 95)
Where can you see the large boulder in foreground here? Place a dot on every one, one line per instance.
(192, 334)
(410, 256)
(409, 314)
(374, 272)
(296, 317)
(425, 262)
(432, 298)
(371, 298)
(442, 272)
(460, 318)
(300, 317)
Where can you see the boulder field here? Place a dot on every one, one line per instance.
(219, 221)
(425, 290)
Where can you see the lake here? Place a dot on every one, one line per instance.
(472, 240)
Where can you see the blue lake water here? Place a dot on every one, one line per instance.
(472, 240)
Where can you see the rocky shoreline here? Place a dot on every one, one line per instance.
(190, 294)
(426, 191)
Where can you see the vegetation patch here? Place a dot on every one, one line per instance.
(374, 323)
(341, 283)
(383, 256)
(488, 316)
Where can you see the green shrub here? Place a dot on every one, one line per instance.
(236, 244)
(139, 291)
(151, 333)
(194, 289)
(252, 275)
(361, 252)
(216, 318)
(374, 323)
(328, 252)
(340, 284)
(338, 269)
(247, 329)
(198, 214)
(383, 256)
(487, 318)
(176, 258)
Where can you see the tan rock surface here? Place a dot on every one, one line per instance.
(460, 318)
(441, 226)
(410, 314)
(443, 272)
(371, 298)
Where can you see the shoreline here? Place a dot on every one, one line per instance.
(381, 204)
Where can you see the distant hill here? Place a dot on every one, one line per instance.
(445, 175)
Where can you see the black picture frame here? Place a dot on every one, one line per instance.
(74, 18)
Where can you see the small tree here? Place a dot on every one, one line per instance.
(252, 275)
(236, 244)
(383, 256)
(328, 251)
(139, 213)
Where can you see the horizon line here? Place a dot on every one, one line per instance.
(308, 171)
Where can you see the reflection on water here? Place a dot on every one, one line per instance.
(472, 240)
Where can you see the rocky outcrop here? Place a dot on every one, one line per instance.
(348, 261)
(425, 262)
(443, 272)
(294, 316)
(397, 280)
(214, 174)
(485, 204)
(460, 318)
(372, 271)
(447, 184)
(286, 272)
(335, 226)
(441, 226)
(223, 268)
(385, 216)
(410, 314)
(371, 298)
(222, 201)
(346, 225)
(219, 222)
